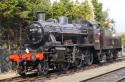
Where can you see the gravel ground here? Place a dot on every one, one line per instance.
(7, 75)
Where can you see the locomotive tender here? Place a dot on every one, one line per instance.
(60, 45)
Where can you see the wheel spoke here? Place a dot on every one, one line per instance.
(78, 60)
(89, 58)
(43, 68)
(65, 66)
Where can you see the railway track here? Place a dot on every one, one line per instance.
(112, 76)
(121, 80)
(56, 74)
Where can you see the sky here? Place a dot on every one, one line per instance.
(116, 10)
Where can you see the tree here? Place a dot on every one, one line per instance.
(105, 20)
(100, 15)
(86, 11)
(40, 5)
(15, 14)
(62, 8)
(71, 10)
(97, 7)
(75, 10)
(21, 10)
(58, 9)
(12, 13)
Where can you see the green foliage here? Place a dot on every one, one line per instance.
(104, 20)
(58, 9)
(39, 5)
(86, 11)
(76, 11)
(97, 7)
(21, 10)
(71, 10)
(15, 15)
(62, 8)
(100, 15)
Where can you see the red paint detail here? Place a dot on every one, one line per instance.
(14, 57)
(26, 56)
(39, 56)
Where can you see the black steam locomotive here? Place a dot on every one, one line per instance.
(60, 45)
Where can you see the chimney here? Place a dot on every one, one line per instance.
(40, 16)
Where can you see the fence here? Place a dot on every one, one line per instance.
(4, 64)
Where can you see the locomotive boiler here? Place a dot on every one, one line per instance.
(60, 45)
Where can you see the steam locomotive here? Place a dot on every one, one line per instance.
(60, 45)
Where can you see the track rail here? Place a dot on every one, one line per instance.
(99, 76)
(121, 80)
